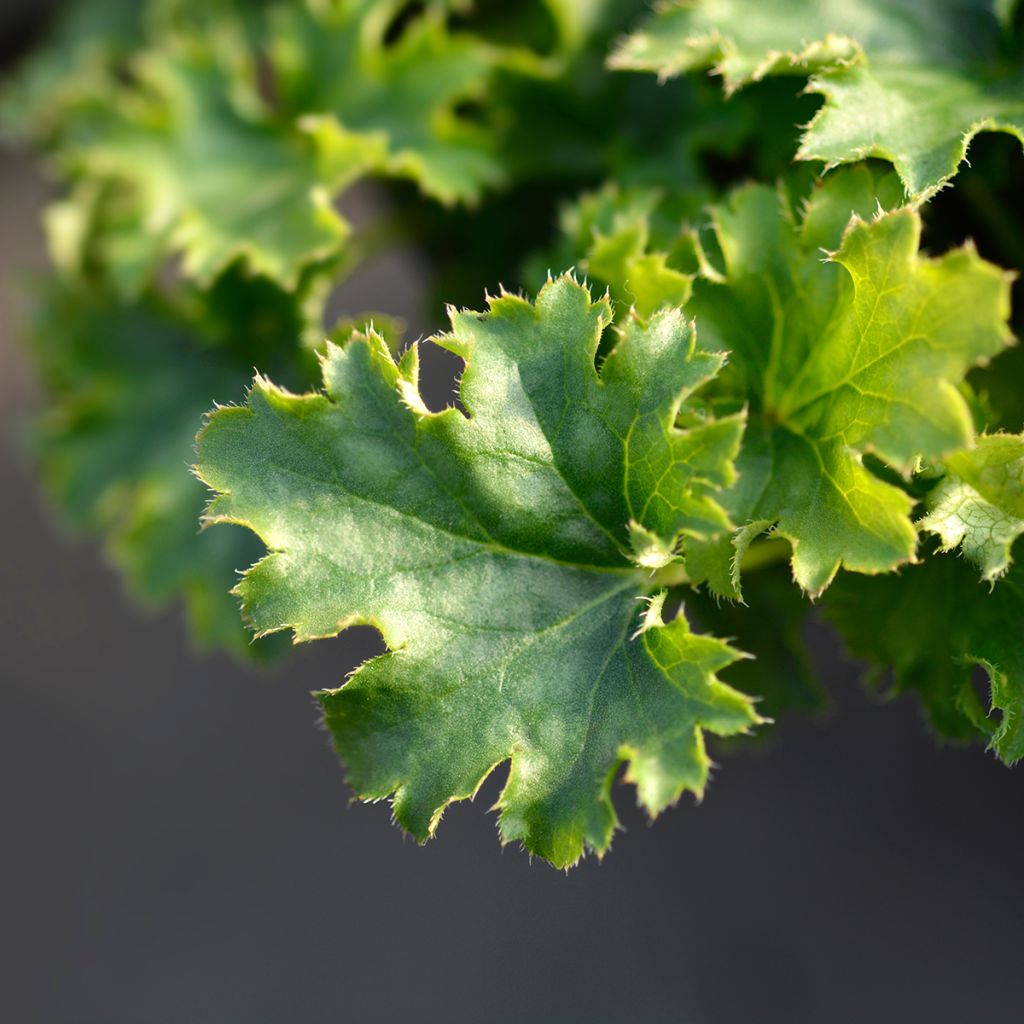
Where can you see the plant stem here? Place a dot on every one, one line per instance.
(762, 553)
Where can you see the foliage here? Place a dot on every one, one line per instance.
(979, 503)
(126, 384)
(938, 622)
(763, 364)
(548, 500)
(912, 81)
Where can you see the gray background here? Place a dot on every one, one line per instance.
(178, 844)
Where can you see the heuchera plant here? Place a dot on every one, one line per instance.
(708, 365)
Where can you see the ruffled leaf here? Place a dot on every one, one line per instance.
(857, 353)
(203, 176)
(979, 505)
(408, 98)
(911, 82)
(494, 551)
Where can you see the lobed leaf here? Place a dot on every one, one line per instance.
(211, 180)
(225, 131)
(500, 554)
(911, 82)
(405, 100)
(857, 354)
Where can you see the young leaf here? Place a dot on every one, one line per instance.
(930, 626)
(497, 554)
(840, 356)
(979, 505)
(907, 81)
(621, 240)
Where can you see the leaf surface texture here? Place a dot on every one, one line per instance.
(497, 552)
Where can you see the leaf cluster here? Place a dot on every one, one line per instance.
(744, 387)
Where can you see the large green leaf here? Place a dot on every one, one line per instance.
(225, 131)
(910, 81)
(497, 552)
(931, 625)
(843, 341)
(860, 352)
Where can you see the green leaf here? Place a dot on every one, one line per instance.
(211, 179)
(1005, 10)
(622, 240)
(920, 118)
(931, 625)
(979, 505)
(494, 552)
(743, 42)
(857, 352)
(95, 240)
(75, 61)
(910, 81)
(123, 389)
(408, 98)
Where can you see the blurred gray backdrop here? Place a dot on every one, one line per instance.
(179, 847)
